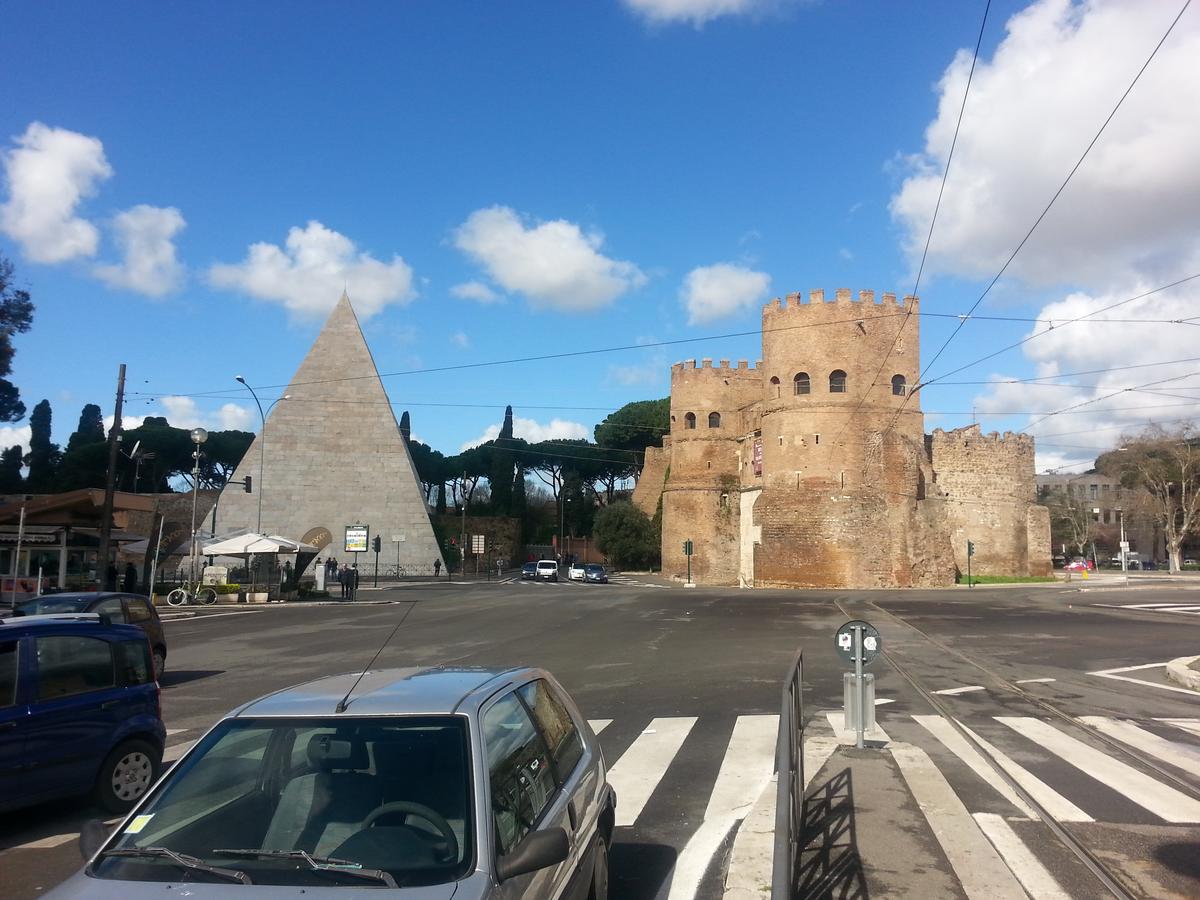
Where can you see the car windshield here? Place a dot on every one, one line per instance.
(593, 567)
(63, 603)
(334, 802)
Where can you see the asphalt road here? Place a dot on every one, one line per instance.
(705, 665)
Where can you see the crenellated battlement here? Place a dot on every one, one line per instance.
(723, 368)
(971, 437)
(816, 300)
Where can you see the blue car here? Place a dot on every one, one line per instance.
(79, 711)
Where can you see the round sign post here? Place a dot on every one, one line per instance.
(860, 643)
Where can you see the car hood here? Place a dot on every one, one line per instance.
(81, 887)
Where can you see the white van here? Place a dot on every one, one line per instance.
(547, 569)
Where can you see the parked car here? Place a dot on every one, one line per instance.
(130, 609)
(575, 571)
(529, 570)
(79, 711)
(595, 574)
(464, 783)
(547, 569)
(1080, 565)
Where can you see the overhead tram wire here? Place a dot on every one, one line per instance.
(1041, 216)
(1059, 412)
(220, 393)
(929, 236)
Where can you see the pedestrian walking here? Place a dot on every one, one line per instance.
(129, 585)
(344, 581)
(437, 568)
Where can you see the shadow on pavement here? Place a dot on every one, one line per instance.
(172, 677)
(829, 863)
(637, 871)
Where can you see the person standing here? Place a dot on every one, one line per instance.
(353, 580)
(437, 568)
(344, 581)
(129, 584)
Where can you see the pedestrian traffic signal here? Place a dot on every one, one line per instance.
(246, 485)
(378, 543)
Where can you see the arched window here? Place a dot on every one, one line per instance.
(837, 382)
(775, 387)
(689, 421)
(714, 420)
(898, 385)
(801, 383)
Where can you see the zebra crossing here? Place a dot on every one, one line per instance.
(1182, 609)
(564, 582)
(1066, 772)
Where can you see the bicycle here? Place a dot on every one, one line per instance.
(396, 572)
(192, 594)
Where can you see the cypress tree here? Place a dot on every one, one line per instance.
(501, 475)
(11, 461)
(405, 428)
(43, 455)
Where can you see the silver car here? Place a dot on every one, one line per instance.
(464, 783)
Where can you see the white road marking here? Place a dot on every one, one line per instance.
(1178, 755)
(745, 771)
(958, 745)
(639, 770)
(1044, 795)
(1192, 726)
(1034, 681)
(1115, 675)
(207, 616)
(837, 721)
(598, 725)
(1029, 870)
(979, 869)
(46, 843)
(1165, 802)
(961, 690)
(174, 752)
(881, 701)
(171, 731)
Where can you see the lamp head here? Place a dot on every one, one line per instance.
(239, 379)
(199, 435)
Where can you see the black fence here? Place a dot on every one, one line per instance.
(789, 801)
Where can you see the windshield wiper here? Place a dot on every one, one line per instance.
(318, 863)
(181, 859)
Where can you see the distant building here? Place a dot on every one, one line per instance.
(812, 468)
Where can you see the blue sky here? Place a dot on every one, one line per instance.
(495, 180)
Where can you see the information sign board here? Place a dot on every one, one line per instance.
(477, 543)
(357, 538)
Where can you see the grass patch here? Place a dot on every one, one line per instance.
(1007, 579)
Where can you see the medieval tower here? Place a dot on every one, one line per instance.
(812, 468)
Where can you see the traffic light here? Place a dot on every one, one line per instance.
(970, 548)
(246, 485)
(378, 543)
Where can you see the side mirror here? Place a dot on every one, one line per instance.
(539, 850)
(92, 837)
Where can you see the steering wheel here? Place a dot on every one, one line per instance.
(408, 808)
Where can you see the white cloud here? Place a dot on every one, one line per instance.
(532, 431)
(1093, 344)
(1033, 107)
(846, 254)
(49, 172)
(12, 435)
(460, 339)
(699, 12)
(183, 412)
(145, 235)
(653, 372)
(555, 264)
(308, 274)
(477, 291)
(713, 292)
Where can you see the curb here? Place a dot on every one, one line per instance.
(1180, 671)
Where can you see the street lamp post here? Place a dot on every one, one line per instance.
(562, 526)
(262, 442)
(199, 436)
(1124, 546)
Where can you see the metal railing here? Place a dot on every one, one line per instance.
(789, 799)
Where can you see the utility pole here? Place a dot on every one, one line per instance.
(463, 540)
(110, 482)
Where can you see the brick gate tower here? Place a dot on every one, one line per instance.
(812, 467)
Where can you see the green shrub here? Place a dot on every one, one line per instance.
(226, 588)
(1005, 579)
(627, 536)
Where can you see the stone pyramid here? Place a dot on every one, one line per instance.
(334, 457)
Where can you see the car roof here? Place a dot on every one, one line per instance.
(416, 690)
(91, 624)
(82, 596)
